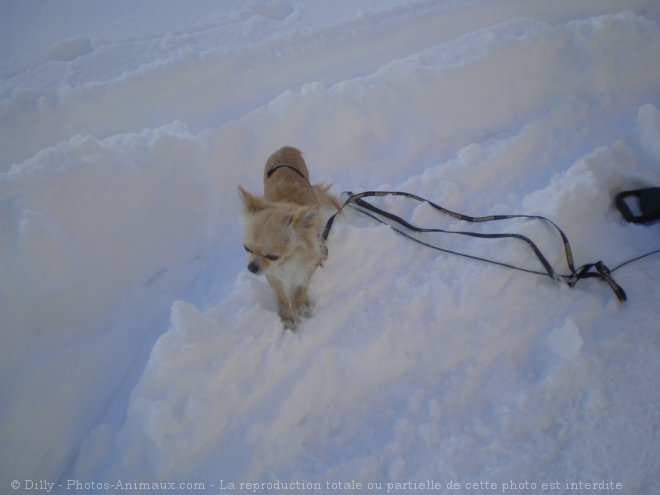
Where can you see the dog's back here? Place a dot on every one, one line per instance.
(286, 178)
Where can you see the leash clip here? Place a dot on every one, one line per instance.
(604, 273)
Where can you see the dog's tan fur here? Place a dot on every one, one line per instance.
(283, 232)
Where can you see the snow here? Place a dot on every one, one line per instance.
(137, 347)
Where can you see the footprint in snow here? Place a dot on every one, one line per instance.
(68, 50)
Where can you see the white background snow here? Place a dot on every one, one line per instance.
(137, 348)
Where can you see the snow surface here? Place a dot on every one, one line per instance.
(135, 345)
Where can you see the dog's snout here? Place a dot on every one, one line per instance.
(253, 267)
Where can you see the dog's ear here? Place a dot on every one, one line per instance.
(251, 202)
(304, 217)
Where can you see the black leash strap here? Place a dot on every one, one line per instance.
(590, 270)
(284, 165)
(648, 203)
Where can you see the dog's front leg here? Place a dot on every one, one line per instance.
(301, 302)
(285, 310)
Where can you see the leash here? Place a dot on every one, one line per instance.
(648, 203)
(589, 270)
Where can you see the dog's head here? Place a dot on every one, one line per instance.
(274, 232)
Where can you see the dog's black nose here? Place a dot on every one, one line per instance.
(253, 267)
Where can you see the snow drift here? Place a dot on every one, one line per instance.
(137, 347)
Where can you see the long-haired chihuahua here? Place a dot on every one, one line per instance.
(283, 231)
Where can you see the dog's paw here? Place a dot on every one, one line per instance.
(304, 309)
(289, 322)
(302, 304)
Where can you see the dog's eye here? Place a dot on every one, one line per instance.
(272, 257)
(247, 249)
